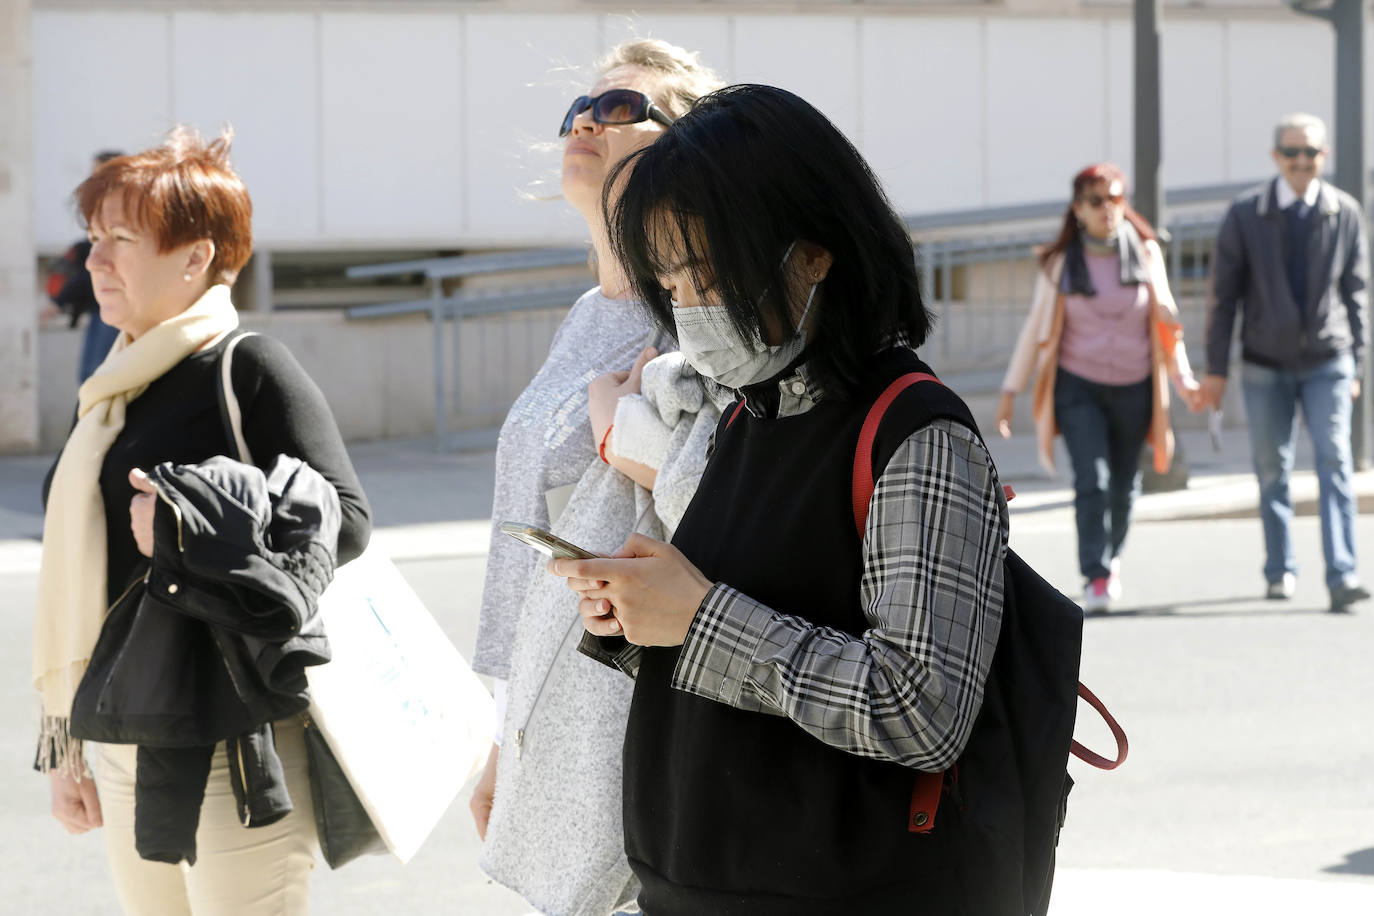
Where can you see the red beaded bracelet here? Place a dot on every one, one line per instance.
(604, 438)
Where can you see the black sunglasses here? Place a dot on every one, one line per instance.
(615, 106)
(1292, 152)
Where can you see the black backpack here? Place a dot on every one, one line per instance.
(1010, 784)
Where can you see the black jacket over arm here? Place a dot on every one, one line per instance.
(214, 644)
(177, 419)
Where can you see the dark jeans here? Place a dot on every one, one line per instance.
(1104, 427)
(1272, 399)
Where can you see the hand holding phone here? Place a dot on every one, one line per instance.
(553, 546)
(549, 545)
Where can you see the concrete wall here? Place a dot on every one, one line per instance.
(380, 125)
(18, 303)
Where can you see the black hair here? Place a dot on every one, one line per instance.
(749, 170)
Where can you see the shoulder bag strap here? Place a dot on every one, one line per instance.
(229, 412)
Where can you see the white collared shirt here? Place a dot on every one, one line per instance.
(1287, 196)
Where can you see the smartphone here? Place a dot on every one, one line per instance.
(548, 544)
(1214, 429)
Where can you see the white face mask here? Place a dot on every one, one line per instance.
(709, 341)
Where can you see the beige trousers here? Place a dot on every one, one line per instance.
(239, 871)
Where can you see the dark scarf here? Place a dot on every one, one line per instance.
(1130, 248)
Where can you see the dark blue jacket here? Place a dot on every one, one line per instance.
(1249, 276)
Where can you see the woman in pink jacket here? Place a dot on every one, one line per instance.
(1101, 339)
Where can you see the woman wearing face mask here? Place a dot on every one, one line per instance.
(1103, 339)
(591, 463)
(791, 671)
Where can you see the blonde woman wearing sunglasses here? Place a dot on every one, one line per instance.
(591, 462)
(1101, 339)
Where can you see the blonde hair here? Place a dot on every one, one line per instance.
(680, 75)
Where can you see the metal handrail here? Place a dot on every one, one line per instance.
(1221, 193)
(467, 305)
(455, 308)
(941, 253)
(472, 265)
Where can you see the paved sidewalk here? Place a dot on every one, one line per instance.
(428, 504)
(432, 511)
(1147, 892)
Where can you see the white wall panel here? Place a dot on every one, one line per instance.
(1119, 94)
(271, 103)
(381, 126)
(1193, 84)
(392, 119)
(100, 80)
(922, 119)
(521, 73)
(815, 57)
(1045, 105)
(1274, 69)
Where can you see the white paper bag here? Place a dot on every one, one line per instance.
(406, 717)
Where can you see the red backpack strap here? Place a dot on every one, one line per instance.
(1122, 746)
(735, 413)
(863, 453)
(925, 801)
(926, 787)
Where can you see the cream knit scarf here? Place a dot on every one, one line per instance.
(71, 579)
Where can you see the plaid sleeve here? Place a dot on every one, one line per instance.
(612, 651)
(909, 688)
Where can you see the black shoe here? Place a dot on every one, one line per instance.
(1345, 595)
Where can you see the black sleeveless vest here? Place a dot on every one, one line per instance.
(728, 811)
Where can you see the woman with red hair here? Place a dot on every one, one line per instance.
(170, 228)
(1102, 337)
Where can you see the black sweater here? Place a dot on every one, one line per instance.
(177, 419)
(735, 812)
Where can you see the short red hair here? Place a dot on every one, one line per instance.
(180, 192)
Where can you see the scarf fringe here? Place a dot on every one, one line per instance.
(58, 750)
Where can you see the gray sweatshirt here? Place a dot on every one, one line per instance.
(546, 443)
(555, 831)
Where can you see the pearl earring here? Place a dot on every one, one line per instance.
(186, 277)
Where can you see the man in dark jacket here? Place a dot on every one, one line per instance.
(1293, 257)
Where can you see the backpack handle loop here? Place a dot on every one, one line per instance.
(1092, 758)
